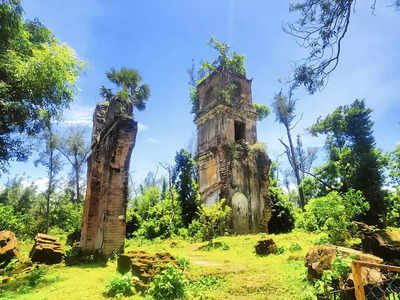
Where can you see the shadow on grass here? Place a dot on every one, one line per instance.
(20, 286)
(88, 265)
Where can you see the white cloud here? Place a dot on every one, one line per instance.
(142, 127)
(152, 140)
(78, 115)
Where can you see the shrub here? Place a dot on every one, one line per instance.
(282, 214)
(35, 276)
(334, 279)
(10, 266)
(157, 218)
(119, 286)
(295, 247)
(169, 284)
(392, 200)
(333, 214)
(10, 220)
(321, 240)
(280, 250)
(215, 245)
(183, 262)
(211, 221)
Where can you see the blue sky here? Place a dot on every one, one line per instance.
(160, 39)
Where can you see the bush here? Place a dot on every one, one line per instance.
(183, 262)
(119, 286)
(282, 214)
(295, 247)
(334, 279)
(35, 276)
(157, 218)
(333, 214)
(211, 221)
(169, 284)
(392, 200)
(10, 220)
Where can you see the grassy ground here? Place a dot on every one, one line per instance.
(240, 272)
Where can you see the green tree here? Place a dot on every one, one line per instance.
(16, 195)
(284, 108)
(333, 214)
(37, 74)
(320, 29)
(51, 160)
(131, 90)
(394, 166)
(74, 148)
(354, 161)
(184, 176)
(282, 213)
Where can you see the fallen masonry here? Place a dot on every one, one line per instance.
(320, 259)
(8, 247)
(144, 265)
(46, 250)
(266, 246)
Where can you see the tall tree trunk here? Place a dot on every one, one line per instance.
(295, 166)
(77, 192)
(49, 188)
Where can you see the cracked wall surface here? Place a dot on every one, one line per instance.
(113, 138)
(231, 163)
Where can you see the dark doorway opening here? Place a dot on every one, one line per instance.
(240, 130)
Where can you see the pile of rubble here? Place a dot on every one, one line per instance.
(144, 265)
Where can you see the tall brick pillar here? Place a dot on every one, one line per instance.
(104, 214)
(232, 165)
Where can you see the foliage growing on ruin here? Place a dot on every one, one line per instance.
(131, 90)
(226, 61)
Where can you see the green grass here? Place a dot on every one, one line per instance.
(233, 272)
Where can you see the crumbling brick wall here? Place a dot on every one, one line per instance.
(230, 164)
(113, 138)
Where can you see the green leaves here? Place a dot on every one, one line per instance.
(262, 111)
(333, 213)
(169, 284)
(38, 74)
(131, 92)
(120, 286)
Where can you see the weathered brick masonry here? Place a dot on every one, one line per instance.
(113, 138)
(231, 164)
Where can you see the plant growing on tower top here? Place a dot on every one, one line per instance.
(131, 91)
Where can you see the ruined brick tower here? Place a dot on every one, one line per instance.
(113, 138)
(231, 163)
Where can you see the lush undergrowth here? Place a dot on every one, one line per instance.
(232, 271)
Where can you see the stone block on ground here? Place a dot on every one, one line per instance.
(266, 246)
(46, 250)
(8, 247)
(320, 259)
(144, 265)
